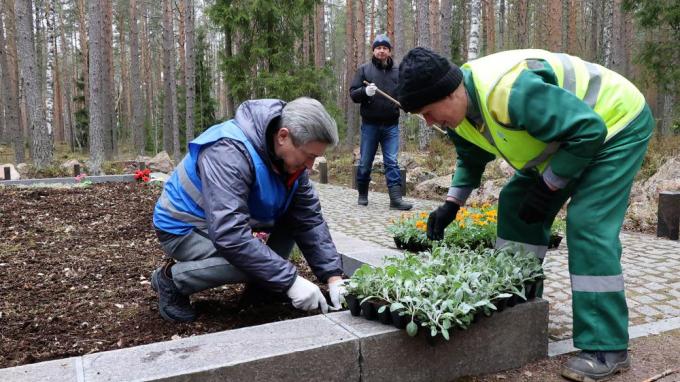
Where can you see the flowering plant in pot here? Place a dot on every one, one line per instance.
(473, 227)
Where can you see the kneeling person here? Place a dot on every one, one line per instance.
(248, 174)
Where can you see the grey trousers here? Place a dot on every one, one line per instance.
(200, 267)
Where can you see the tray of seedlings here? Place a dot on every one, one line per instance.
(444, 290)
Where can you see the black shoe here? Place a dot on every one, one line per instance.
(363, 193)
(396, 202)
(595, 365)
(172, 305)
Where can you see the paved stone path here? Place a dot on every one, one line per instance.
(651, 265)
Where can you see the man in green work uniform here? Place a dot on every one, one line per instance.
(571, 129)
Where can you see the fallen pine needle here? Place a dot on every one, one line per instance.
(664, 374)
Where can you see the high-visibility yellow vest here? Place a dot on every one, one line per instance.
(610, 95)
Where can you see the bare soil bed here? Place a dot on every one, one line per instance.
(74, 276)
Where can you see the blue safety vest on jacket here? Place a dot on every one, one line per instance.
(180, 207)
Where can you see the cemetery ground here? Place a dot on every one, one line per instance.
(74, 279)
(74, 275)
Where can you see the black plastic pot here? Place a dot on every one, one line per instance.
(369, 310)
(500, 303)
(398, 321)
(410, 245)
(385, 317)
(555, 241)
(353, 304)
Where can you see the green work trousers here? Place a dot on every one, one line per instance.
(599, 199)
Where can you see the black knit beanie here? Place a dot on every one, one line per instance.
(425, 77)
(381, 40)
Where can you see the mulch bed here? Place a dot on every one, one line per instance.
(75, 265)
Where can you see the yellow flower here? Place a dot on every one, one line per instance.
(423, 215)
(421, 225)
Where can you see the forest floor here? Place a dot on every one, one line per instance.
(75, 265)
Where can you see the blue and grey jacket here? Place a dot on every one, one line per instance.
(226, 185)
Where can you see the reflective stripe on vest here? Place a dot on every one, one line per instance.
(597, 284)
(610, 95)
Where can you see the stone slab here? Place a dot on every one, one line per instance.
(126, 178)
(356, 252)
(389, 354)
(309, 348)
(61, 370)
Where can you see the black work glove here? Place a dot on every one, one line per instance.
(440, 218)
(535, 204)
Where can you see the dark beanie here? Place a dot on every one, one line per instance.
(425, 77)
(383, 40)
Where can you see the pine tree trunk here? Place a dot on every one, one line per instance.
(305, 40)
(619, 31)
(490, 26)
(445, 34)
(66, 84)
(360, 35)
(41, 134)
(319, 33)
(170, 126)
(399, 44)
(554, 30)
(607, 33)
(522, 31)
(433, 22)
(84, 48)
(371, 35)
(149, 77)
(350, 68)
(667, 115)
(572, 29)
(98, 75)
(110, 130)
(124, 110)
(390, 20)
(137, 117)
(229, 109)
(423, 32)
(190, 81)
(501, 25)
(10, 73)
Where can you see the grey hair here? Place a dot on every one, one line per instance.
(308, 121)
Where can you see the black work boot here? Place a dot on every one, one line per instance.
(172, 305)
(595, 365)
(363, 193)
(396, 202)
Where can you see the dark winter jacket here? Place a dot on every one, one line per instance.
(376, 109)
(227, 174)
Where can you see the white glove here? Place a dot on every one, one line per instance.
(370, 89)
(306, 295)
(337, 290)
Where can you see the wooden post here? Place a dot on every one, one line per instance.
(355, 169)
(323, 172)
(402, 172)
(668, 224)
(76, 170)
(8, 174)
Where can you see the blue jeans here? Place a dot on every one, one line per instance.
(388, 138)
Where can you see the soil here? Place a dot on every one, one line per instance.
(650, 357)
(74, 276)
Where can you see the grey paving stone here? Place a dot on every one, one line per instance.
(62, 370)
(306, 349)
(389, 354)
